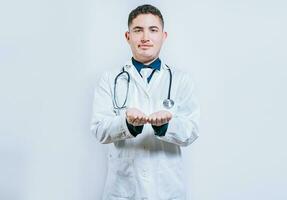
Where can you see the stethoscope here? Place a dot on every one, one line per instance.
(168, 103)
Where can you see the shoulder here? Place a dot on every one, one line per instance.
(110, 74)
(180, 74)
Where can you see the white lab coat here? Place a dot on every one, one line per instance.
(146, 166)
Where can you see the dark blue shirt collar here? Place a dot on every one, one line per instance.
(154, 65)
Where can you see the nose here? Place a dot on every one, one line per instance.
(145, 37)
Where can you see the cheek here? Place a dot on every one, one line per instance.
(157, 41)
(134, 42)
(135, 38)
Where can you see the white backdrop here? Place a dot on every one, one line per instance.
(53, 51)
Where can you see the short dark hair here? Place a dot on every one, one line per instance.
(145, 9)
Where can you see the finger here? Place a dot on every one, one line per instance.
(144, 120)
(134, 120)
(158, 121)
(130, 115)
(141, 121)
(163, 120)
(130, 119)
(166, 120)
(149, 119)
(168, 116)
(153, 120)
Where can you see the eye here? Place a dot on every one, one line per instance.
(154, 30)
(137, 30)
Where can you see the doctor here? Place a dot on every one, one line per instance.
(144, 134)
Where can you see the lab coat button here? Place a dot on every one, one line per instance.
(144, 174)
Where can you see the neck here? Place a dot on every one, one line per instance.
(146, 62)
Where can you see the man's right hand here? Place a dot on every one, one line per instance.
(136, 117)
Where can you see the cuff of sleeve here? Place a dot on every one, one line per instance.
(134, 130)
(125, 132)
(160, 130)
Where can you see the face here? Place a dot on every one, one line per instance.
(145, 37)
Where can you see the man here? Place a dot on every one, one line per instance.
(143, 133)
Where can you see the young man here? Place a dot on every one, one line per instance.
(145, 112)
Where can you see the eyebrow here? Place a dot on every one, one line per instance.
(139, 27)
(154, 27)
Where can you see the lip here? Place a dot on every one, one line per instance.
(144, 46)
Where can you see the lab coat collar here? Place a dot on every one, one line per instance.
(129, 64)
(154, 65)
(131, 69)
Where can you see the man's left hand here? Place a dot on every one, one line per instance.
(159, 118)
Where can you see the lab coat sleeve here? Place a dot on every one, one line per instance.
(134, 130)
(105, 124)
(183, 128)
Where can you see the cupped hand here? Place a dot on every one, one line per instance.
(136, 117)
(159, 118)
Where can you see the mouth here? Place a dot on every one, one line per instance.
(144, 46)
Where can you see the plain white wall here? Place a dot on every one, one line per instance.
(52, 53)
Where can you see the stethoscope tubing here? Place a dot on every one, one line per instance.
(170, 82)
(128, 88)
(116, 106)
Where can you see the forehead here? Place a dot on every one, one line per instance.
(146, 20)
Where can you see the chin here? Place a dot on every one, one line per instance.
(147, 57)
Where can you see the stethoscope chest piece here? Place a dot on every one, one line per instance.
(168, 103)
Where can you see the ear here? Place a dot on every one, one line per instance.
(127, 36)
(164, 35)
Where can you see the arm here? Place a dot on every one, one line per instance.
(183, 127)
(105, 124)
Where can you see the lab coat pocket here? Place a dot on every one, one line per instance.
(170, 181)
(121, 178)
